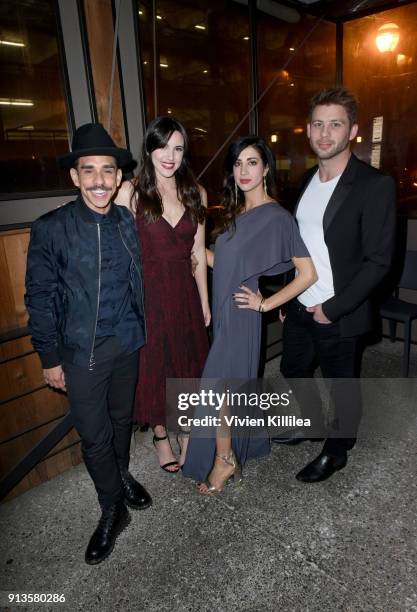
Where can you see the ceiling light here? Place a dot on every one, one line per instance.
(292, 48)
(11, 102)
(158, 17)
(200, 27)
(205, 71)
(140, 12)
(11, 43)
(246, 38)
(163, 65)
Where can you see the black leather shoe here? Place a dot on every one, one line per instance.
(135, 496)
(321, 468)
(112, 522)
(293, 437)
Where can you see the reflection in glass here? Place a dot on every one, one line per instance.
(309, 66)
(385, 81)
(33, 123)
(202, 73)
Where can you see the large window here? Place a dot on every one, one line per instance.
(33, 119)
(202, 74)
(300, 53)
(380, 54)
(197, 67)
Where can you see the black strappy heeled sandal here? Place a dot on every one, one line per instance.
(166, 465)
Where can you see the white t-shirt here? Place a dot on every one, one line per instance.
(309, 216)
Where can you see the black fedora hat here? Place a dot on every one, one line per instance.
(92, 139)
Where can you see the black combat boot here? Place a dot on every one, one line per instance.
(135, 495)
(112, 522)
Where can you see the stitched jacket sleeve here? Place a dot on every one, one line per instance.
(377, 238)
(41, 289)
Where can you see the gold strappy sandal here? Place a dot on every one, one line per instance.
(235, 474)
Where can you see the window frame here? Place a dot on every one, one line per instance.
(21, 208)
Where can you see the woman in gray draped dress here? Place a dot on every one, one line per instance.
(257, 237)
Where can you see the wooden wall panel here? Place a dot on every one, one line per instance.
(20, 376)
(14, 348)
(25, 420)
(49, 468)
(16, 247)
(30, 411)
(8, 317)
(12, 451)
(13, 250)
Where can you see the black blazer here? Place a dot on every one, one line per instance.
(359, 229)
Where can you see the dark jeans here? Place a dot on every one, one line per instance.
(101, 405)
(307, 344)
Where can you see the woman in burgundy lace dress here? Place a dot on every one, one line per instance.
(170, 222)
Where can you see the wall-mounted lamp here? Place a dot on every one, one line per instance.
(387, 37)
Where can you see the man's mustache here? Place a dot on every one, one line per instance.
(101, 187)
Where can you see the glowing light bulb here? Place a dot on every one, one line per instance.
(388, 37)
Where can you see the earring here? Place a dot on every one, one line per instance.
(265, 187)
(235, 193)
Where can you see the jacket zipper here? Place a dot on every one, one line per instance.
(139, 274)
(92, 362)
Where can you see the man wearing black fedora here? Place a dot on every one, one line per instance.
(84, 295)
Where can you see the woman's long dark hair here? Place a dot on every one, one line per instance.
(188, 193)
(231, 204)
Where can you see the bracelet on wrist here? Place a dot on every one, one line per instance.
(261, 305)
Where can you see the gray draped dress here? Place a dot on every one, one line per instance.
(263, 242)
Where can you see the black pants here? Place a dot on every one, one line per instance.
(307, 344)
(101, 403)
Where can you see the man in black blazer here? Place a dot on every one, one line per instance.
(346, 216)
